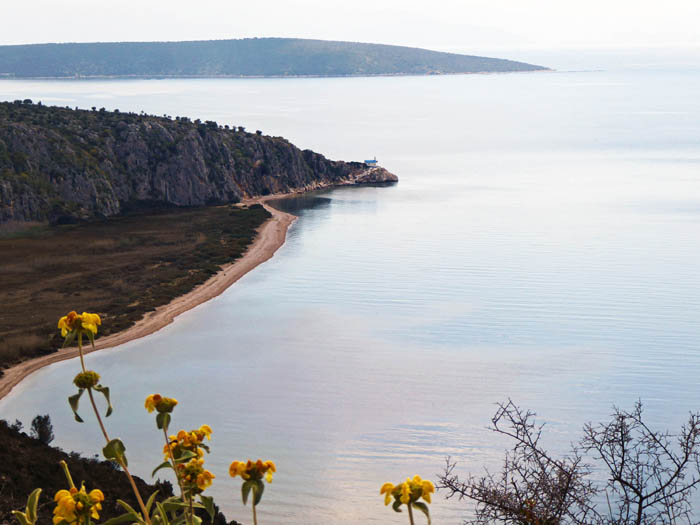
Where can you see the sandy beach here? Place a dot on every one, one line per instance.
(270, 237)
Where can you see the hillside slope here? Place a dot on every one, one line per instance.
(250, 57)
(61, 165)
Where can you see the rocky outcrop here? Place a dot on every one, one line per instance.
(374, 176)
(59, 164)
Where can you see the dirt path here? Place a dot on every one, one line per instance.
(270, 237)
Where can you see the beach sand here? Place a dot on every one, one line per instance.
(270, 237)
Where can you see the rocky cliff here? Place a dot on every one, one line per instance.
(62, 165)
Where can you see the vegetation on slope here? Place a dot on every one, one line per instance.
(250, 57)
(59, 164)
(26, 463)
(121, 267)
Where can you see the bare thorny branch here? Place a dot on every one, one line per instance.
(650, 475)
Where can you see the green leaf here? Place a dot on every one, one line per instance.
(396, 505)
(115, 450)
(150, 501)
(32, 502)
(208, 503)
(91, 336)
(128, 517)
(126, 506)
(73, 402)
(104, 390)
(163, 420)
(423, 508)
(21, 517)
(70, 337)
(245, 490)
(258, 489)
(163, 514)
(165, 464)
(175, 503)
(185, 456)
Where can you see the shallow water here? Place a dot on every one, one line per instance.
(541, 245)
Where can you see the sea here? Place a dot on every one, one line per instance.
(541, 246)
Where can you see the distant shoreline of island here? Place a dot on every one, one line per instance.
(240, 58)
(277, 77)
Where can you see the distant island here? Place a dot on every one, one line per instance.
(249, 57)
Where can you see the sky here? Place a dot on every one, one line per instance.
(469, 26)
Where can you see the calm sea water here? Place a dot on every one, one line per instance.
(541, 245)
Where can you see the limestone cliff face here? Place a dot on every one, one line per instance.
(59, 164)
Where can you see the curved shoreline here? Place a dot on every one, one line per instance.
(270, 238)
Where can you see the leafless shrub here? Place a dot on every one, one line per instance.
(651, 475)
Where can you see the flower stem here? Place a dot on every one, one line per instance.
(410, 514)
(106, 436)
(172, 460)
(255, 516)
(80, 350)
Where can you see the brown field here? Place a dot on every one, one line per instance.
(120, 268)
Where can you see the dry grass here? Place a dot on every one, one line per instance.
(120, 268)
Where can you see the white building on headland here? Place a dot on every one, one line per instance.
(372, 163)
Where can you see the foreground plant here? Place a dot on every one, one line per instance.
(253, 474)
(75, 506)
(29, 516)
(409, 493)
(184, 455)
(74, 327)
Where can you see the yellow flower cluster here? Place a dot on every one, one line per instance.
(409, 491)
(84, 322)
(252, 470)
(86, 379)
(74, 506)
(191, 441)
(160, 403)
(194, 475)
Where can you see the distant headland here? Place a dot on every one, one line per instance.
(249, 57)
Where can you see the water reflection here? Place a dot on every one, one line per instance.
(523, 254)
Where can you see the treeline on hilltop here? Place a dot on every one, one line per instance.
(250, 57)
(60, 164)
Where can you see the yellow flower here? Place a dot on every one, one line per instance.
(151, 402)
(204, 479)
(408, 492)
(160, 403)
(90, 322)
(428, 489)
(85, 322)
(73, 506)
(253, 470)
(195, 479)
(386, 490)
(206, 430)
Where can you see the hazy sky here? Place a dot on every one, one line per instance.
(463, 25)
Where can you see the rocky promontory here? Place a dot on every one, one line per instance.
(62, 165)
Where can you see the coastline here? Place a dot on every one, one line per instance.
(271, 236)
(541, 69)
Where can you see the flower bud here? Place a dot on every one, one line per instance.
(86, 379)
